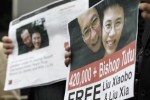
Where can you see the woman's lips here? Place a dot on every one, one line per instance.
(111, 43)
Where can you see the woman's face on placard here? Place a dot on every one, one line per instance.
(36, 40)
(113, 23)
(90, 26)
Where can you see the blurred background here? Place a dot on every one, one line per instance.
(11, 9)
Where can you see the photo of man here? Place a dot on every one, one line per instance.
(90, 26)
(87, 28)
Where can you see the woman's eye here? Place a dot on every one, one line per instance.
(118, 23)
(108, 26)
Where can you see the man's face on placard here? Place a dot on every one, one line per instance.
(90, 26)
(26, 38)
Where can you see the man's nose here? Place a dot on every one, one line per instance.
(93, 33)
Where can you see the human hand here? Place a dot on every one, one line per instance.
(67, 55)
(145, 7)
(7, 45)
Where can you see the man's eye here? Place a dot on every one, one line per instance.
(95, 22)
(87, 33)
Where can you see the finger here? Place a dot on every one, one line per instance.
(67, 61)
(145, 15)
(145, 6)
(6, 39)
(7, 51)
(8, 45)
(67, 54)
(67, 48)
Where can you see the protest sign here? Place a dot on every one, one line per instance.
(103, 48)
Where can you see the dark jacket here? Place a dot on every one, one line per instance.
(54, 91)
(142, 73)
(144, 67)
